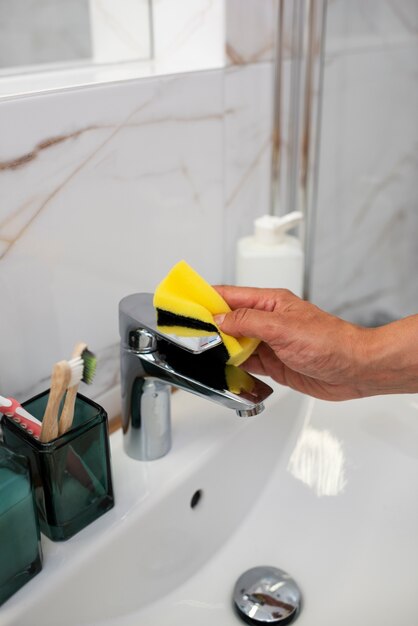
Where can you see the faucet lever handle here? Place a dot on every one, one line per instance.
(144, 341)
(139, 319)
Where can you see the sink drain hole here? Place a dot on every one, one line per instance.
(196, 498)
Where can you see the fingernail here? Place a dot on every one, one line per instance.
(219, 319)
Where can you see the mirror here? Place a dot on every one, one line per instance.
(55, 34)
(65, 43)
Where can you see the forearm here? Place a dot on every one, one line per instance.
(389, 357)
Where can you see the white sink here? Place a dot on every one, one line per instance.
(326, 491)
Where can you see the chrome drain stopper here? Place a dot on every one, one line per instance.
(267, 595)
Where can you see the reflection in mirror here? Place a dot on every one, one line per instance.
(55, 34)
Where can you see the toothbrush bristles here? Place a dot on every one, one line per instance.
(89, 367)
(77, 366)
(83, 368)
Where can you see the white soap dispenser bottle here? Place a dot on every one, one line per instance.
(271, 257)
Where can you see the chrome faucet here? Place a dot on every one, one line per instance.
(153, 361)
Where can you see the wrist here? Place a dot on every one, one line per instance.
(387, 359)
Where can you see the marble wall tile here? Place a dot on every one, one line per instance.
(367, 217)
(102, 190)
(359, 25)
(248, 133)
(248, 119)
(367, 225)
(250, 28)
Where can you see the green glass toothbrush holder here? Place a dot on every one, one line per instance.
(20, 541)
(72, 473)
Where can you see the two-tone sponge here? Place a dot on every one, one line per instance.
(186, 304)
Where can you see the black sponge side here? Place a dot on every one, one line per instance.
(166, 318)
(207, 368)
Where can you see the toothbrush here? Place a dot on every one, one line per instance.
(89, 369)
(14, 410)
(64, 374)
(74, 464)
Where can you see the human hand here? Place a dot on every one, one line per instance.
(301, 346)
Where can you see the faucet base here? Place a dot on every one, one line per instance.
(149, 433)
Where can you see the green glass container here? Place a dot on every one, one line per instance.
(20, 545)
(72, 473)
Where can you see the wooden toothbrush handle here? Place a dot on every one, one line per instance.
(61, 375)
(67, 413)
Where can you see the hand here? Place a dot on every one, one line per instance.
(315, 352)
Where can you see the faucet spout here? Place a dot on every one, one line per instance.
(152, 362)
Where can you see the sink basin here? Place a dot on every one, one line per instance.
(325, 491)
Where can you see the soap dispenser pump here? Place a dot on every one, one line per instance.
(271, 257)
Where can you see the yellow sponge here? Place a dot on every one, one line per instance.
(238, 381)
(186, 304)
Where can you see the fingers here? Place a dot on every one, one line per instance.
(265, 363)
(254, 364)
(253, 297)
(249, 323)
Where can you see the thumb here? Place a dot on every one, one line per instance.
(248, 323)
